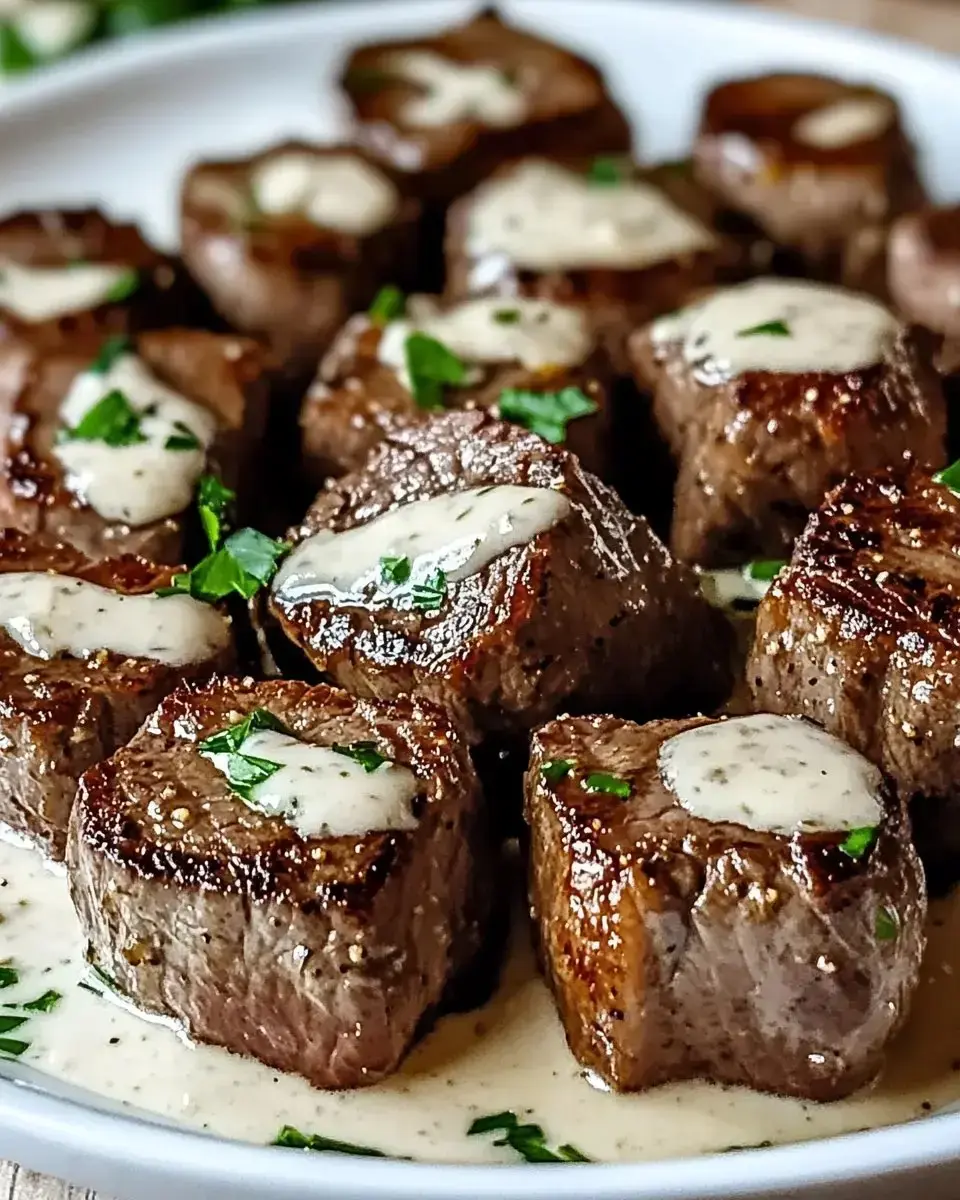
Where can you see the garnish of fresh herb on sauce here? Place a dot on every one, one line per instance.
(763, 570)
(886, 925)
(9, 976)
(388, 304)
(12, 1047)
(949, 477)
(431, 367)
(430, 594)
(546, 414)
(767, 329)
(293, 1139)
(183, 439)
(113, 348)
(112, 420)
(245, 563)
(556, 769)
(394, 570)
(44, 1004)
(606, 172)
(611, 785)
(507, 316)
(214, 503)
(858, 842)
(124, 288)
(244, 771)
(365, 754)
(527, 1140)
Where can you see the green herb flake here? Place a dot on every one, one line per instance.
(767, 329)
(9, 1024)
(611, 785)
(9, 976)
(12, 1047)
(546, 414)
(15, 55)
(46, 1003)
(430, 594)
(388, 304)
(556, 769)
(858, 842)
(763, 570)
(394, 570)
(123, 289)
(244, 772)
(112, 349)
(214, 503)
(431, 367)
(293, 1139)
(606, 172)
(507, 316)
(183, 439)
(949, 477)
(887, 924)
(245, 563)
(112, 420)
(229, 741)
(364, 753)
(526, 1140)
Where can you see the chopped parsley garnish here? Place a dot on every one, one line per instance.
(388, 304)
(767, 329)
(886, 926)
(183, 439)
(431, 367)
(527, 1140)
(124, 288)
(8, 976)
(245, 563)
(112, 420)
(9, 1024)
(12, 1047)
(431, 593)
(546, 414)
(606, 172)
(394, 570)
(365, 754)
(556, 769)
(612, 785)
(858, 841)
(46, 1003)
(113, 348)
(949, 477)
(214, 502)
(295, 1140)
(244, 771)
(507, 316)
(763, 570)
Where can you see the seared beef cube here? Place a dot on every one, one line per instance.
(819, 165)
(107, 439)
(477, 565)
(86, 652)
(861, 632)
(448, 110)
(625, 243)
(737, 900)
(313, 919)
(532, 352)
(923, 265)
(770, 393)
(290, 242)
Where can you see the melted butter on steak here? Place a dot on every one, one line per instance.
(51, 614)
(458, 533)
(457, 91)
(45, 293)
(339, 191)
(772, 773)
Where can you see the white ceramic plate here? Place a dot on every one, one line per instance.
(117, 127)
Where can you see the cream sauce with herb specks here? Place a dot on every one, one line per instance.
(55, 614)
(142, 482)
(777, 774)
(336, 191)
(458, 533)
(845, 123)
(542, 217)
(779, 325)
(321, 793)
(45, 293)
(456, 91)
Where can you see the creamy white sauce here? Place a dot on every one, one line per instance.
(845, 123)
(321, 793)
(45, 293)
(778, 774)
(509, 1055)
(456, 91)
(458, 533)
(827, 329)
(55, 614)
(542, 217)
(337, 191)
(142, 482)
(533, 333)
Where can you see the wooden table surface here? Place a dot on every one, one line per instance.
(934, 21)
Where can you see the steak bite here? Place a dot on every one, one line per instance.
(861, 632)
(626, 243)
(540, 358)
(735, 899)
(290, 242)
(311, 911)
(819, 165)
(447, 110)
(87, 650)
(924, 274)
(768, 394)
(106, 440)
(475, 564)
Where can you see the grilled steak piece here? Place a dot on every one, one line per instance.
(819, 165)
(74, 681)
(861, 632)
(770, 393)
(626, 242)
(505, 345)
(477, 565)
(680, 941)
(924, 268)
(99, 492)
(447, 110)
(290, 242)
(320, 953)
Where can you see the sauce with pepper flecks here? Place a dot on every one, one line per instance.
(338, 191)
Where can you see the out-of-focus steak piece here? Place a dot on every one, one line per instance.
(315, 924)
(534, 351)
(86, 652)
(861, 632)
(924, 268)
(475, 564)
(771, 392)
(735, 899)
(820, 165)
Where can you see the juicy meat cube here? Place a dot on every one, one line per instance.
(320, 955)
(679, 947)
(924, 274)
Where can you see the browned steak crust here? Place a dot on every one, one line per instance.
(319, 956)
(677, 947)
